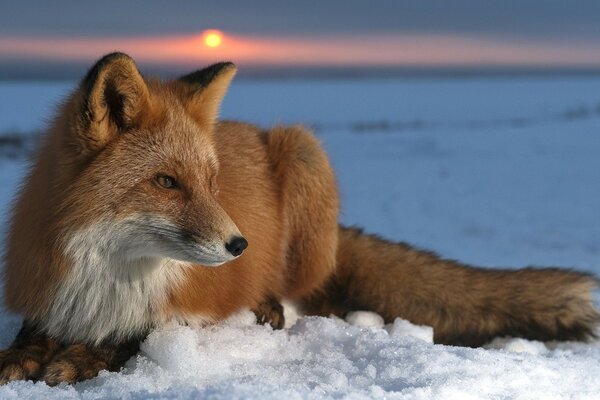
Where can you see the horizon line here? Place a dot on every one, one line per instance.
(74, 71)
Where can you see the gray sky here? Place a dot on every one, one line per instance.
(540, 20)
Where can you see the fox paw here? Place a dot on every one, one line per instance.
(37, 356)
(270, 312)
(25, 363)
(73, 364)
(15, 365)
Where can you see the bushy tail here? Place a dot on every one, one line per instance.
(465, 305)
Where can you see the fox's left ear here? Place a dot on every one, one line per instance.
(207, 87)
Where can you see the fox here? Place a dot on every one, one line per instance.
(141, 206)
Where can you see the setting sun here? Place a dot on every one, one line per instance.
(212, 38)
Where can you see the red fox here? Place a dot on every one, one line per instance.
(141, 207)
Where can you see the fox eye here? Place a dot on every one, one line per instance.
(167, 182)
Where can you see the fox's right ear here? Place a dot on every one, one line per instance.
(113, 97)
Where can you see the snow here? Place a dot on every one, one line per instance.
(402, 327)
(328, 358)
(364, 319)
(494, 172)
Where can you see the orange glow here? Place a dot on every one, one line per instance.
(212, 37)
(348, 50)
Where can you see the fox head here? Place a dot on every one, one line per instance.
(139, 166)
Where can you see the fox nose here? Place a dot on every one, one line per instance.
(236, 245)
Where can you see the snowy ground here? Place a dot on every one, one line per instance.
(494, 172)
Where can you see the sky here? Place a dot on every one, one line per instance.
(50, 38)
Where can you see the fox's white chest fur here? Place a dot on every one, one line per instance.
(106, 295)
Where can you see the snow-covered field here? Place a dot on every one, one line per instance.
(494, 172)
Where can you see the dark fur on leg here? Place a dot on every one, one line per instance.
(28, 353)
(36, 356)
(78, 362)
(270, 312)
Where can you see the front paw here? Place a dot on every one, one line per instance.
(270, 312)
(24, 363)
(75, 363)
(16, 365)
(36, 356)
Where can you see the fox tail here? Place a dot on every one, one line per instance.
(465, 305)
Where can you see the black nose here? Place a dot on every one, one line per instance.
(236, 245)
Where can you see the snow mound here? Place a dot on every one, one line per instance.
(518, 345)
(364, 319)
(402, 328)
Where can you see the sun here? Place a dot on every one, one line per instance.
(212, 37)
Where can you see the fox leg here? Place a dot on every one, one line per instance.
(30, 351)
(270, 312)
(35, 355)
(78, 362)
(310, 207)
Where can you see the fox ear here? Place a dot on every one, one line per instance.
(207, 87)
(114, 98)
